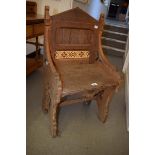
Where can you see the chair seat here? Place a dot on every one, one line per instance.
(84, 77)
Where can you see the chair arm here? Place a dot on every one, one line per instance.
(55, 82)
(107, 63)
(102, 57)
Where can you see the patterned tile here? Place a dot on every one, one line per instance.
(71, 54)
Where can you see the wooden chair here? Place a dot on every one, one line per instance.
(75, 67)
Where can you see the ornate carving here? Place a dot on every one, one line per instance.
(71, 54)
(57, 93)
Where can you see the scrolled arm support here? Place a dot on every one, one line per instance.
(54, 76)
(102, 56)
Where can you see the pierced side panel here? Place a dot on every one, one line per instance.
(72, 54)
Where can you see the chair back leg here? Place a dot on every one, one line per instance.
(103, 101)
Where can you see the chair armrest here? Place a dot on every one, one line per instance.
(108, 65)
(105, 60)
(102, 56)
(55, 82)
(52, 77)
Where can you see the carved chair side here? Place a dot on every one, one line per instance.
(52, 84)
(102, 56)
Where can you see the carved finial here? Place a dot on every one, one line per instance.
(46, 11)
(47, 16)
(101, 21)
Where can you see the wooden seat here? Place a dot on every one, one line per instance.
(75, 67)
(83, 77)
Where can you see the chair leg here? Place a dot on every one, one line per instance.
(46, 99)
(54, 121)
(103, 103)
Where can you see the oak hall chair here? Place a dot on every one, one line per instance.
(75, 67)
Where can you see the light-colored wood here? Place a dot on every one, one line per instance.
(71, 54)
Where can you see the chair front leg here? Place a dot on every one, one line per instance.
(46, 98)
(46, 88)
(103, 101)
(53, 118)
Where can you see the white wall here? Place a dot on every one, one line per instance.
(126, 72)
(93, 7)
(56, 6)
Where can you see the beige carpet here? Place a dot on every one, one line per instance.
(81, 131)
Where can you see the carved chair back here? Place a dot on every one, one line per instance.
(74, 35)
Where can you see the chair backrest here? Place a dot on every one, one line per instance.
(74, 35)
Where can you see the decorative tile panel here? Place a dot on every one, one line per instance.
(71, 54)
